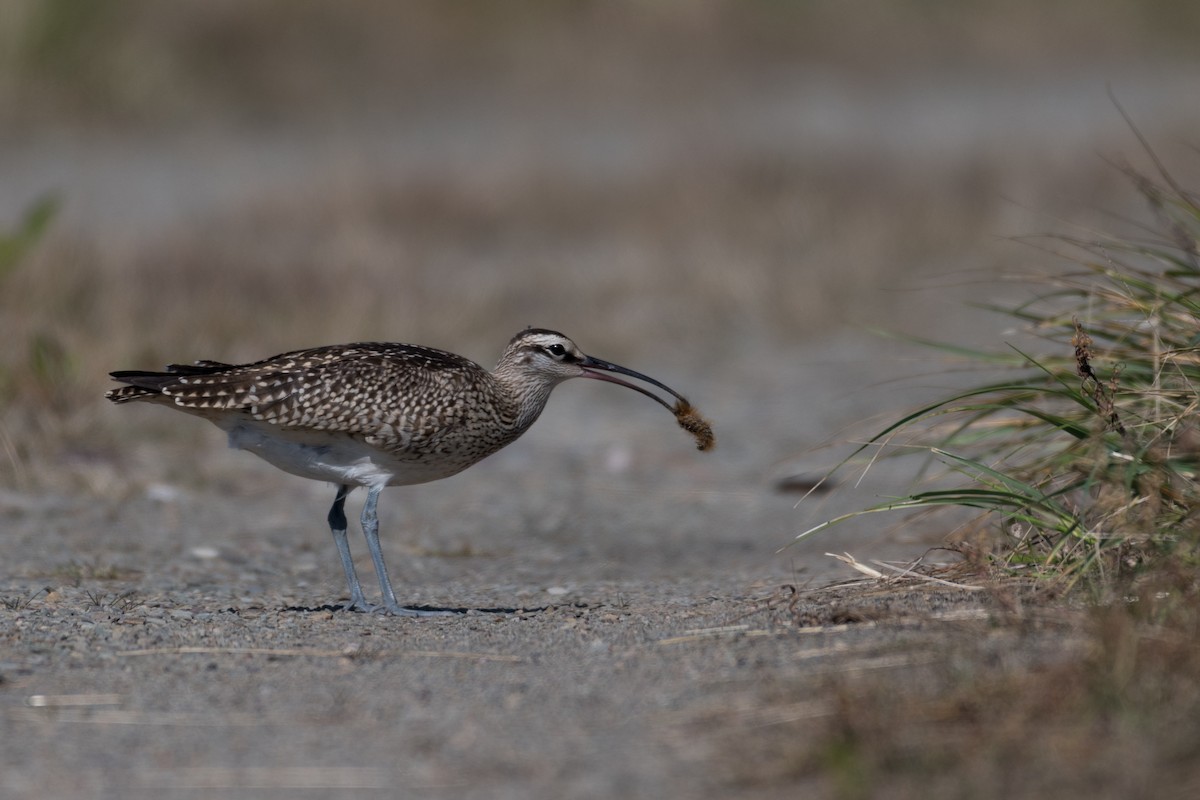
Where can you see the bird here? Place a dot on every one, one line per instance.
(379, 414)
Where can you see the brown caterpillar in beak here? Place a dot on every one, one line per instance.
(691, 421)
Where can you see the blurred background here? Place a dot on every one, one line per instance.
(728, 195)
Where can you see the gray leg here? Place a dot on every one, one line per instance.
(370, 526)
(337, 524)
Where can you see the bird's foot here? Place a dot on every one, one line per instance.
(360, 604)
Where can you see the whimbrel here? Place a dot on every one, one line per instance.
(378, 414)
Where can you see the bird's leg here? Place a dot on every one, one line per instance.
(337, 524)
(370, 526)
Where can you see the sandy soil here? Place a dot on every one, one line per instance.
(577, 669)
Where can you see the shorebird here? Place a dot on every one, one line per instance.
(380, 414)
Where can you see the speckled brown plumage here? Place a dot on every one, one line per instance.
(412, 402)
(379, 414)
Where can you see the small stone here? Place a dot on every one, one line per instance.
(162, 493)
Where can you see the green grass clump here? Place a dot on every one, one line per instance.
(1086, 455)
(17, 242)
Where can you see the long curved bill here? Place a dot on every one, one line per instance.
(685, 415)
(591, 367)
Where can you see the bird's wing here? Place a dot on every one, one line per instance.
(389, 392)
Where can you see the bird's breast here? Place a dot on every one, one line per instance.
(397, 442)
(342, 458)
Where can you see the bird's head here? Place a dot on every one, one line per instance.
(549, 356)
(545, 358)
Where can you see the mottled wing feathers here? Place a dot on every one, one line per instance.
(125, 394)
(143, 385)
(387, 393)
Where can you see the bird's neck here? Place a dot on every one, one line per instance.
(524, 399)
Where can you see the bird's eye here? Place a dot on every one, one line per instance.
(556, 350)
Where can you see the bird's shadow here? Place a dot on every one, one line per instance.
(505, 610)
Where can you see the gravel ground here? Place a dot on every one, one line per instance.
(197, 679)
(169, 639)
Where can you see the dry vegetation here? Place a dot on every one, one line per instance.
(751, 252)
(1082, 460)
(1035, 696)
(751, 248)
(140, 62)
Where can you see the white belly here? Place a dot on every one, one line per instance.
(332, 457)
